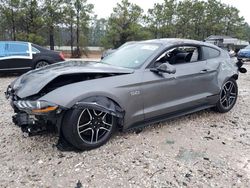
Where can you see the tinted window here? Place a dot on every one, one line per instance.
(209, 53)
(2, 49)
(18, 49)
(178, 55)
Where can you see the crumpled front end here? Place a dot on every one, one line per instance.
(34, 116)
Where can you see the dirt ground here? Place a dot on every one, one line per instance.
(205, 149)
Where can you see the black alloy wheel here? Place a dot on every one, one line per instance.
(87, 129)
(228, 96)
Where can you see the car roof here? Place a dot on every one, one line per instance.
(35, 45)
(14, 41)
(177, 41)
(40, 48)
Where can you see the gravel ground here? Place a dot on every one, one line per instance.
(204, 149)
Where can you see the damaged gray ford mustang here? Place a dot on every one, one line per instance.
(141, 83)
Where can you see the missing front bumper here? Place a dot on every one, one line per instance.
(22, 119)
(32, 126)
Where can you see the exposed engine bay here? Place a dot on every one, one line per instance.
(63, 80)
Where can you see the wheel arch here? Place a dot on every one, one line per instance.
(223, 81)
(39, 60)
(220, 105)
(102, 103)
(42, 57)
(69, 138)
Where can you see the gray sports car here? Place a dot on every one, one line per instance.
(139, 84)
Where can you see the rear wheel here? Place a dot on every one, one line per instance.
(88, 129)
(228, 96)
(41, 64)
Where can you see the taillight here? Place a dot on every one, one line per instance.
(61, 56)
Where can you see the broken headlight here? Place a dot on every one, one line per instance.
(36, 107)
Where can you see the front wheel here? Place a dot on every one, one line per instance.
(87, 129)
(228, 96)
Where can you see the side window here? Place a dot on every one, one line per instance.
(17, 49)
(2, 49)
(210, 53)
(34, 50)
(180, 54)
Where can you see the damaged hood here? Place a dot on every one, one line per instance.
(34, 81)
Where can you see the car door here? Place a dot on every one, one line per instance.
(18, 55)
(169, 93)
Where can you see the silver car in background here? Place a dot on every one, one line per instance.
(139, 84)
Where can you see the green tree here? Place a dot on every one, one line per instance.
(52, 15)
(184, 19)
(197, 22)
(195, 19)
(246, 32)
(124, 25)
(233, 23)
(215, 13)
(155, 20)
(44, 21)
(10, 14)
(97, 30)
(160, 19)
(78, 18)
(83, 11)
(31, 22)
(69, 22)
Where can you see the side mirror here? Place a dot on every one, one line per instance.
(165, 68)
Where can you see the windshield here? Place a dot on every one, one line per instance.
(131, 55)
(248, 47)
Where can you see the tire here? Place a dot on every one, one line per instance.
(228, 96)
(41, 64)
(88, 129)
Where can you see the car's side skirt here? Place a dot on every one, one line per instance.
(169, 116)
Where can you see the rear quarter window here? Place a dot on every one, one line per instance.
(34, 50)
(210, 53)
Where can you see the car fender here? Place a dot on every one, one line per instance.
(227, 70)
(101, 103)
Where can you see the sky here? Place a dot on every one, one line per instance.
(103, 8)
